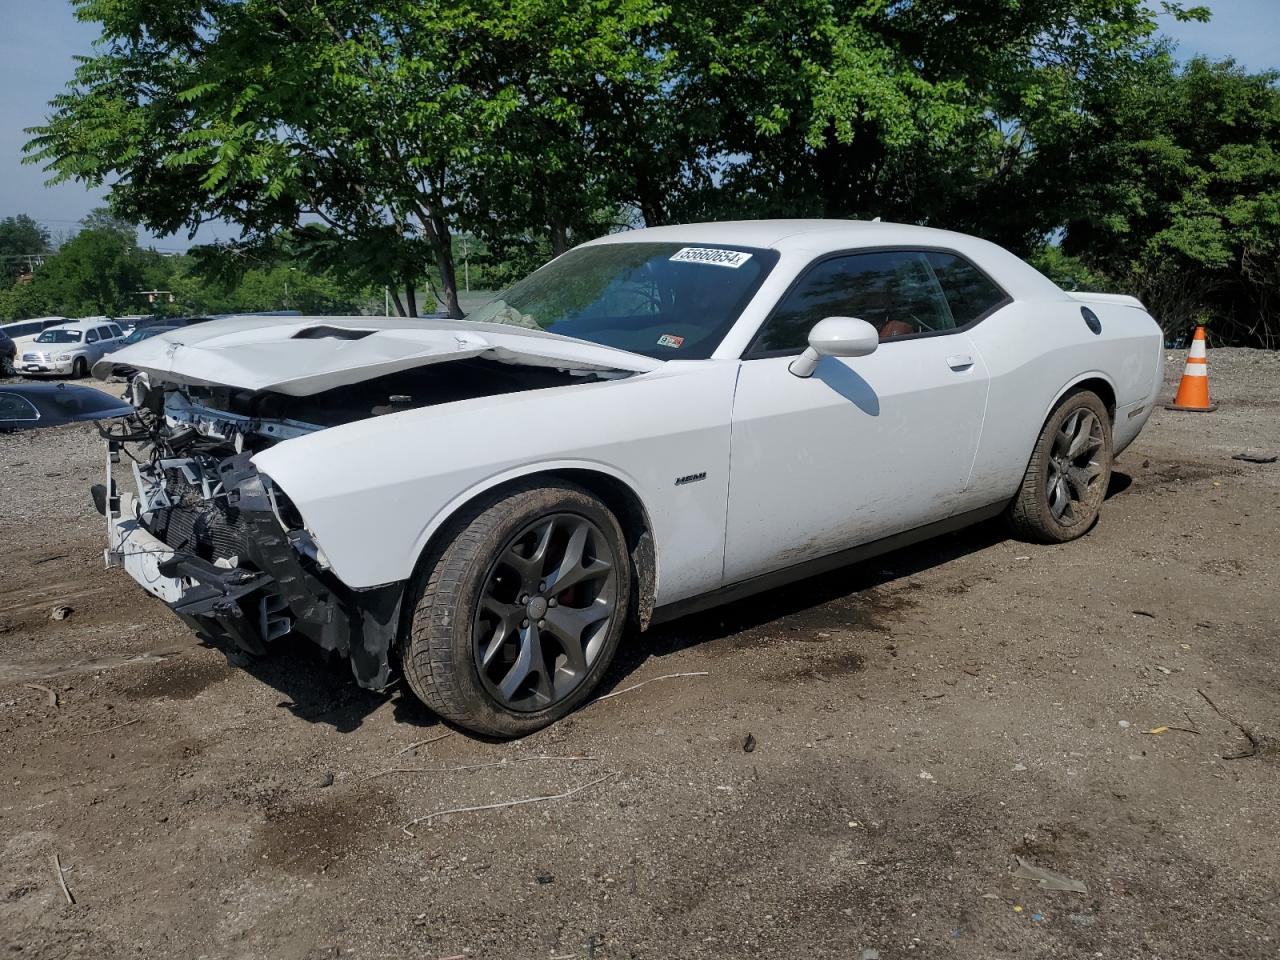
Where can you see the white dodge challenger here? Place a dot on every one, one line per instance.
(654, 421)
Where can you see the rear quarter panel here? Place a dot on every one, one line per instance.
(1038, 350)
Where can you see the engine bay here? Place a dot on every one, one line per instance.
(236, 420)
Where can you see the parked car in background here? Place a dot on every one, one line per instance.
(140, 333)
(8, 351)
(26, 406)
(23, 332)
(137, 335)
(653, 422)
(130, 320)
(147, 323)
(69, 349)
(162, 321)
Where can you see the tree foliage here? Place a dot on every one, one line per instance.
(364, 136)
(96, 272)
(394, 123)
(1181, 203)
(102, 270)
(22, 242)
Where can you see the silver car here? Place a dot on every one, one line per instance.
(70, 349)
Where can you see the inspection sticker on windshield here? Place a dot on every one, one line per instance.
(709, 255)
(671, 340)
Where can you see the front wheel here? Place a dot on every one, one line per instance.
(519, 612)
(1070, 469)
(79, 369)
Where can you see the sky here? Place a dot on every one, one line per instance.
(39, 38)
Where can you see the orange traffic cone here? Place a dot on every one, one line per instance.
(1193, 392)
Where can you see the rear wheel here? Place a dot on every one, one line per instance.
(520, 612)
(1070, 469)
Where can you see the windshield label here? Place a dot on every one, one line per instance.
(709, 255)
(671, 340)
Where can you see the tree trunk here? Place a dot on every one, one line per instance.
(650, 201)
(559, 236)
(411, 298)
(651, 211)
(395, 299)
(436, 228)
(448, 273)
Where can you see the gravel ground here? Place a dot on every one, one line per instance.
(859, 771)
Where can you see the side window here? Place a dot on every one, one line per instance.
(970, 293)
(104, 333)
(91, 337)
(894, 291)
(115, 330)
(14, 407)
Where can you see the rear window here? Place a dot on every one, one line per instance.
(970, 293)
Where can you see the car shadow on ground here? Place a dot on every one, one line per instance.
(805, 598)
(317, 687)
(320, 689)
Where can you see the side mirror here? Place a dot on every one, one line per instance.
(836, 337)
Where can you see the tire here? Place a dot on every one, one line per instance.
(79, 369)
(491, 645)
(1062, 493)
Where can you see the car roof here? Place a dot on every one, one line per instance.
(14, 323)
(818, 237)
(785, 234)
(90, 324)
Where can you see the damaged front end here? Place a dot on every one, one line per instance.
(217, 539)
(223, 546)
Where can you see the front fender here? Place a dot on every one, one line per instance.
(530, 470)
(372, 493)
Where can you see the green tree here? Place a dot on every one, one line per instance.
(922, 112)
(103, 220)
(96, 272)
(23, 301)
(1181, 201)
(373, 131)
(394, 123)
(22, 242)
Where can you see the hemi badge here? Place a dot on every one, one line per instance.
(691, 478)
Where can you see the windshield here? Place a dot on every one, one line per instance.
(662, 300)
(55, 335)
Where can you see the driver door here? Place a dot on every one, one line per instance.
(868, 446)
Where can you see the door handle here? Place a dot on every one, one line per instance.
(961, 361)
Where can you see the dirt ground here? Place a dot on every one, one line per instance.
(855, 775)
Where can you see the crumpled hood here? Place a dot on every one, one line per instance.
(300, 356)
